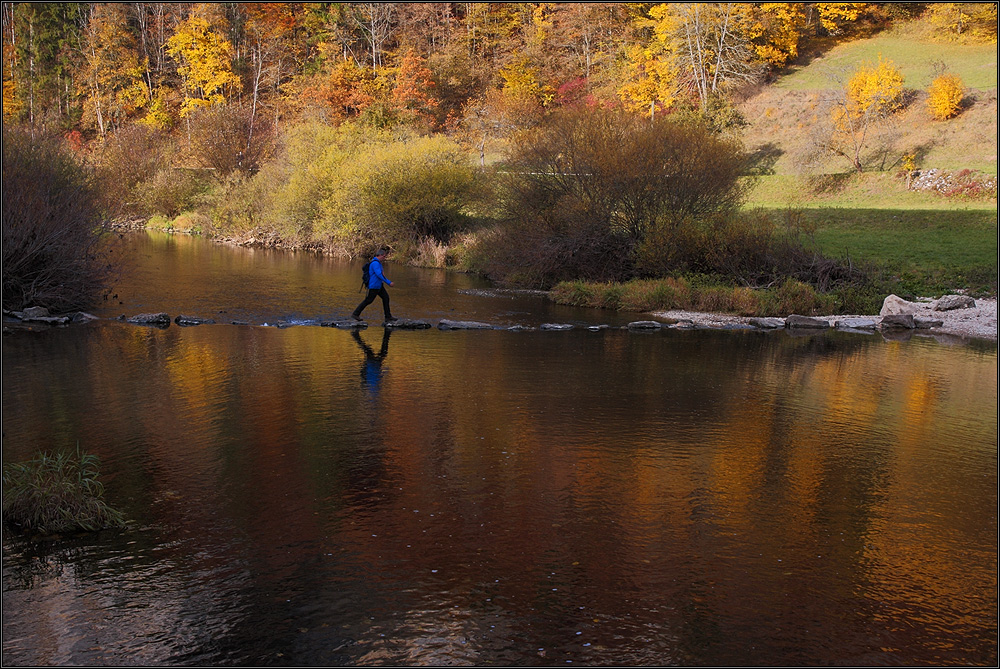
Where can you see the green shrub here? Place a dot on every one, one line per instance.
(796, 297)
(171, 191)
(405, 189)
(55, 254)
(56, 493)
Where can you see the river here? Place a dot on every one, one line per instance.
(307, 495)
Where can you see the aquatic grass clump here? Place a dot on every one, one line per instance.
(56, 493)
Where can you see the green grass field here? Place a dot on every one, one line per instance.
(929, 251)
(913, 54)
(871, 190)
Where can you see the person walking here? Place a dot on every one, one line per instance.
(376, 287)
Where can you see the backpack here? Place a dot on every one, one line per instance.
(365, 274)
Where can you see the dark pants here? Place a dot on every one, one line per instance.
(372, 293)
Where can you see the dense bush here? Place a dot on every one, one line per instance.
(354, 187)
(171, 190)
(126, 162)
(584, 190)
(230, 138)
(54, 254)
(746, 248)
(405, 189)
(944, 97)
(56, 493)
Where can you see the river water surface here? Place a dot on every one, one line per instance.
(313, 496)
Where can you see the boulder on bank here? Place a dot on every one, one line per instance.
(894, 305)
(926, 323)
(949, 302)
(797, 321)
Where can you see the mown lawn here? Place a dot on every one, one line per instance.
(931, 251)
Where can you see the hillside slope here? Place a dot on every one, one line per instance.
(787, 117)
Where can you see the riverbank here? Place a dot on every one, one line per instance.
(977, 322)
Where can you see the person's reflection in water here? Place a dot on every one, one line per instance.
(371, 369)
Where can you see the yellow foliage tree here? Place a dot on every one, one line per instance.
(872, 95)
(875, 89)
(650, 80)
(945, 96)
(112, 74)
(773, 28)
(205, 57)
(833, 16)
(966, 21)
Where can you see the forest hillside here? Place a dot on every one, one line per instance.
(755, 156)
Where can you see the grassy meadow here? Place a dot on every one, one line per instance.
(931, 243)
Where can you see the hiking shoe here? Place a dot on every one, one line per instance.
(391, 319)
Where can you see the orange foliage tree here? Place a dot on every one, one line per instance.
(412, 95)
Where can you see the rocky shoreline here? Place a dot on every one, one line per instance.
(950, 319)
(951, 316)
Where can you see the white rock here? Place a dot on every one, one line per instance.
(894, 305)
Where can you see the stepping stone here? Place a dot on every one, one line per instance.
(796, 321)
(406, 324)
(768, 323)
(160, 320)
(345, 324)
(193, 320)
(463, 325)
(855, 324)
(645, 325)
(555, 326)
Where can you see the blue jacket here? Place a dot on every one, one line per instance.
(375, 276)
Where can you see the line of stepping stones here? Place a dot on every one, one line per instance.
(162, 320)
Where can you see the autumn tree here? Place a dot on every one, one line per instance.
(705, 41)
(269, 26)
(587, 32)
(971, 21)
(376, 22)
(944, 97)
(774, 29)
(412, 95)
(112, 76)
(867, 102)
(204, 54)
